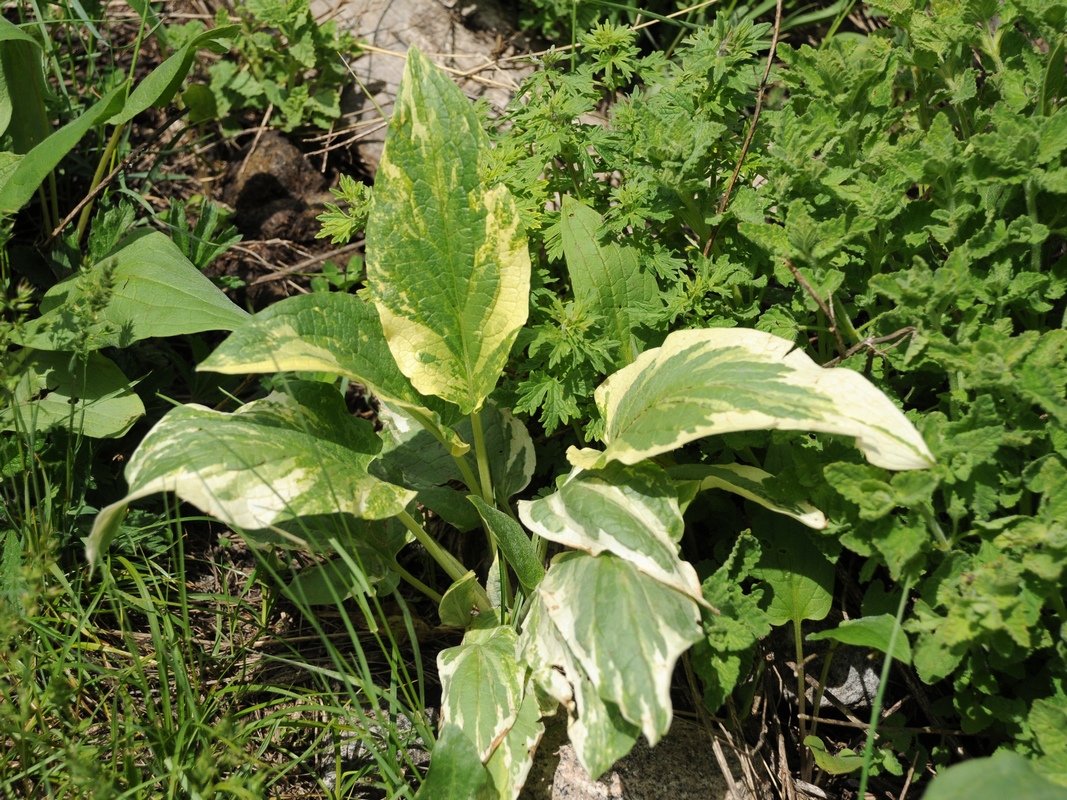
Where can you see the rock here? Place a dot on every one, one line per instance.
(468, 38)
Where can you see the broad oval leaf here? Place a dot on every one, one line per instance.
(629, 511)
(289, 455)
(719, 380)
(57, 389)
(800, 577)
(606, 277)
(604, 607)
(1005, 774)
(447, 260)
(338, 333)
(455, 769)
(481, 686)
(746, 481)
(156, 291)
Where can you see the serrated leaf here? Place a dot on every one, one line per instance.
(447, 261)
(280, 458)
(872, 632)
(629, 511)
(337, 333)
(96, 399)
(603, 606)
(720, 380)
(799, 576)
(481, 686)
(156, 292)
(748, 482)
(606, 277)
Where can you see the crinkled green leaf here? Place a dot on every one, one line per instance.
(156, 292)
(629, 511)
(872, 632)
(58, 389)
(447, 261)
(720, 380)
(604, 606)
(289, 455)
(747, 481)
(338, 333)
(607, 277)
(482, 686)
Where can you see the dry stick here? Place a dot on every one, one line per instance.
(281, 273)
(896, 337)
(255, 142)
(829, 314)
(106, 180)
(845, 723)
(751, 128)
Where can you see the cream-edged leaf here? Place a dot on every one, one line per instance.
(721, 380)
(510, 763)
(629, 511)
(447, 260)
(748, 482)
(289, 455)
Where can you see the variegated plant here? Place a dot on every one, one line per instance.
(599, 631)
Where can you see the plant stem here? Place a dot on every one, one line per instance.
(876, 707)
(415, 582)
(448, 562)
(484, 475)
(468, 475)
(105, 159)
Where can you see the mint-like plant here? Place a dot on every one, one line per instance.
(599, 631)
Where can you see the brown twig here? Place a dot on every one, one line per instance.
(135, 154)
(870, 344)
(281, 273)
(847, 723)
(760, 95)
(828, 312)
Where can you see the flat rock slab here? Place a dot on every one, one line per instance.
(476, 41)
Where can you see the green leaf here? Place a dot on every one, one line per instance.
(455, 769)
(514, 542)
(20, 184)
(57, 389)
(1006, 774)
(289, 455)
(746, 481)
(800, 577)
(606, 277)
(481, 686)
(161, 84)
(720, 380)
(464, 601)
(872, 632)
(604, 606)
(24, 91)
(337, 333)
(844, 762)
(151, 290)
(629, 511)
(447, 261)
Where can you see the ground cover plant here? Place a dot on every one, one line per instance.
(794, 377)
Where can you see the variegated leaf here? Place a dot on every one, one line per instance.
(629, 511)
(604, 607)
(510, 763)
(447, 260)
(720, 380)
(287, 456)
(481, 685)
(746, 481)
(337, 333)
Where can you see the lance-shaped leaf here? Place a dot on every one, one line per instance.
(154, 291)
(447, 260)
(605, 607)
(606, 277)
(719, 380)
(514, 542)
(481, 686)
(94, 399)
(629, 511)
(273, 460)
(338, 333)
(748, 482)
